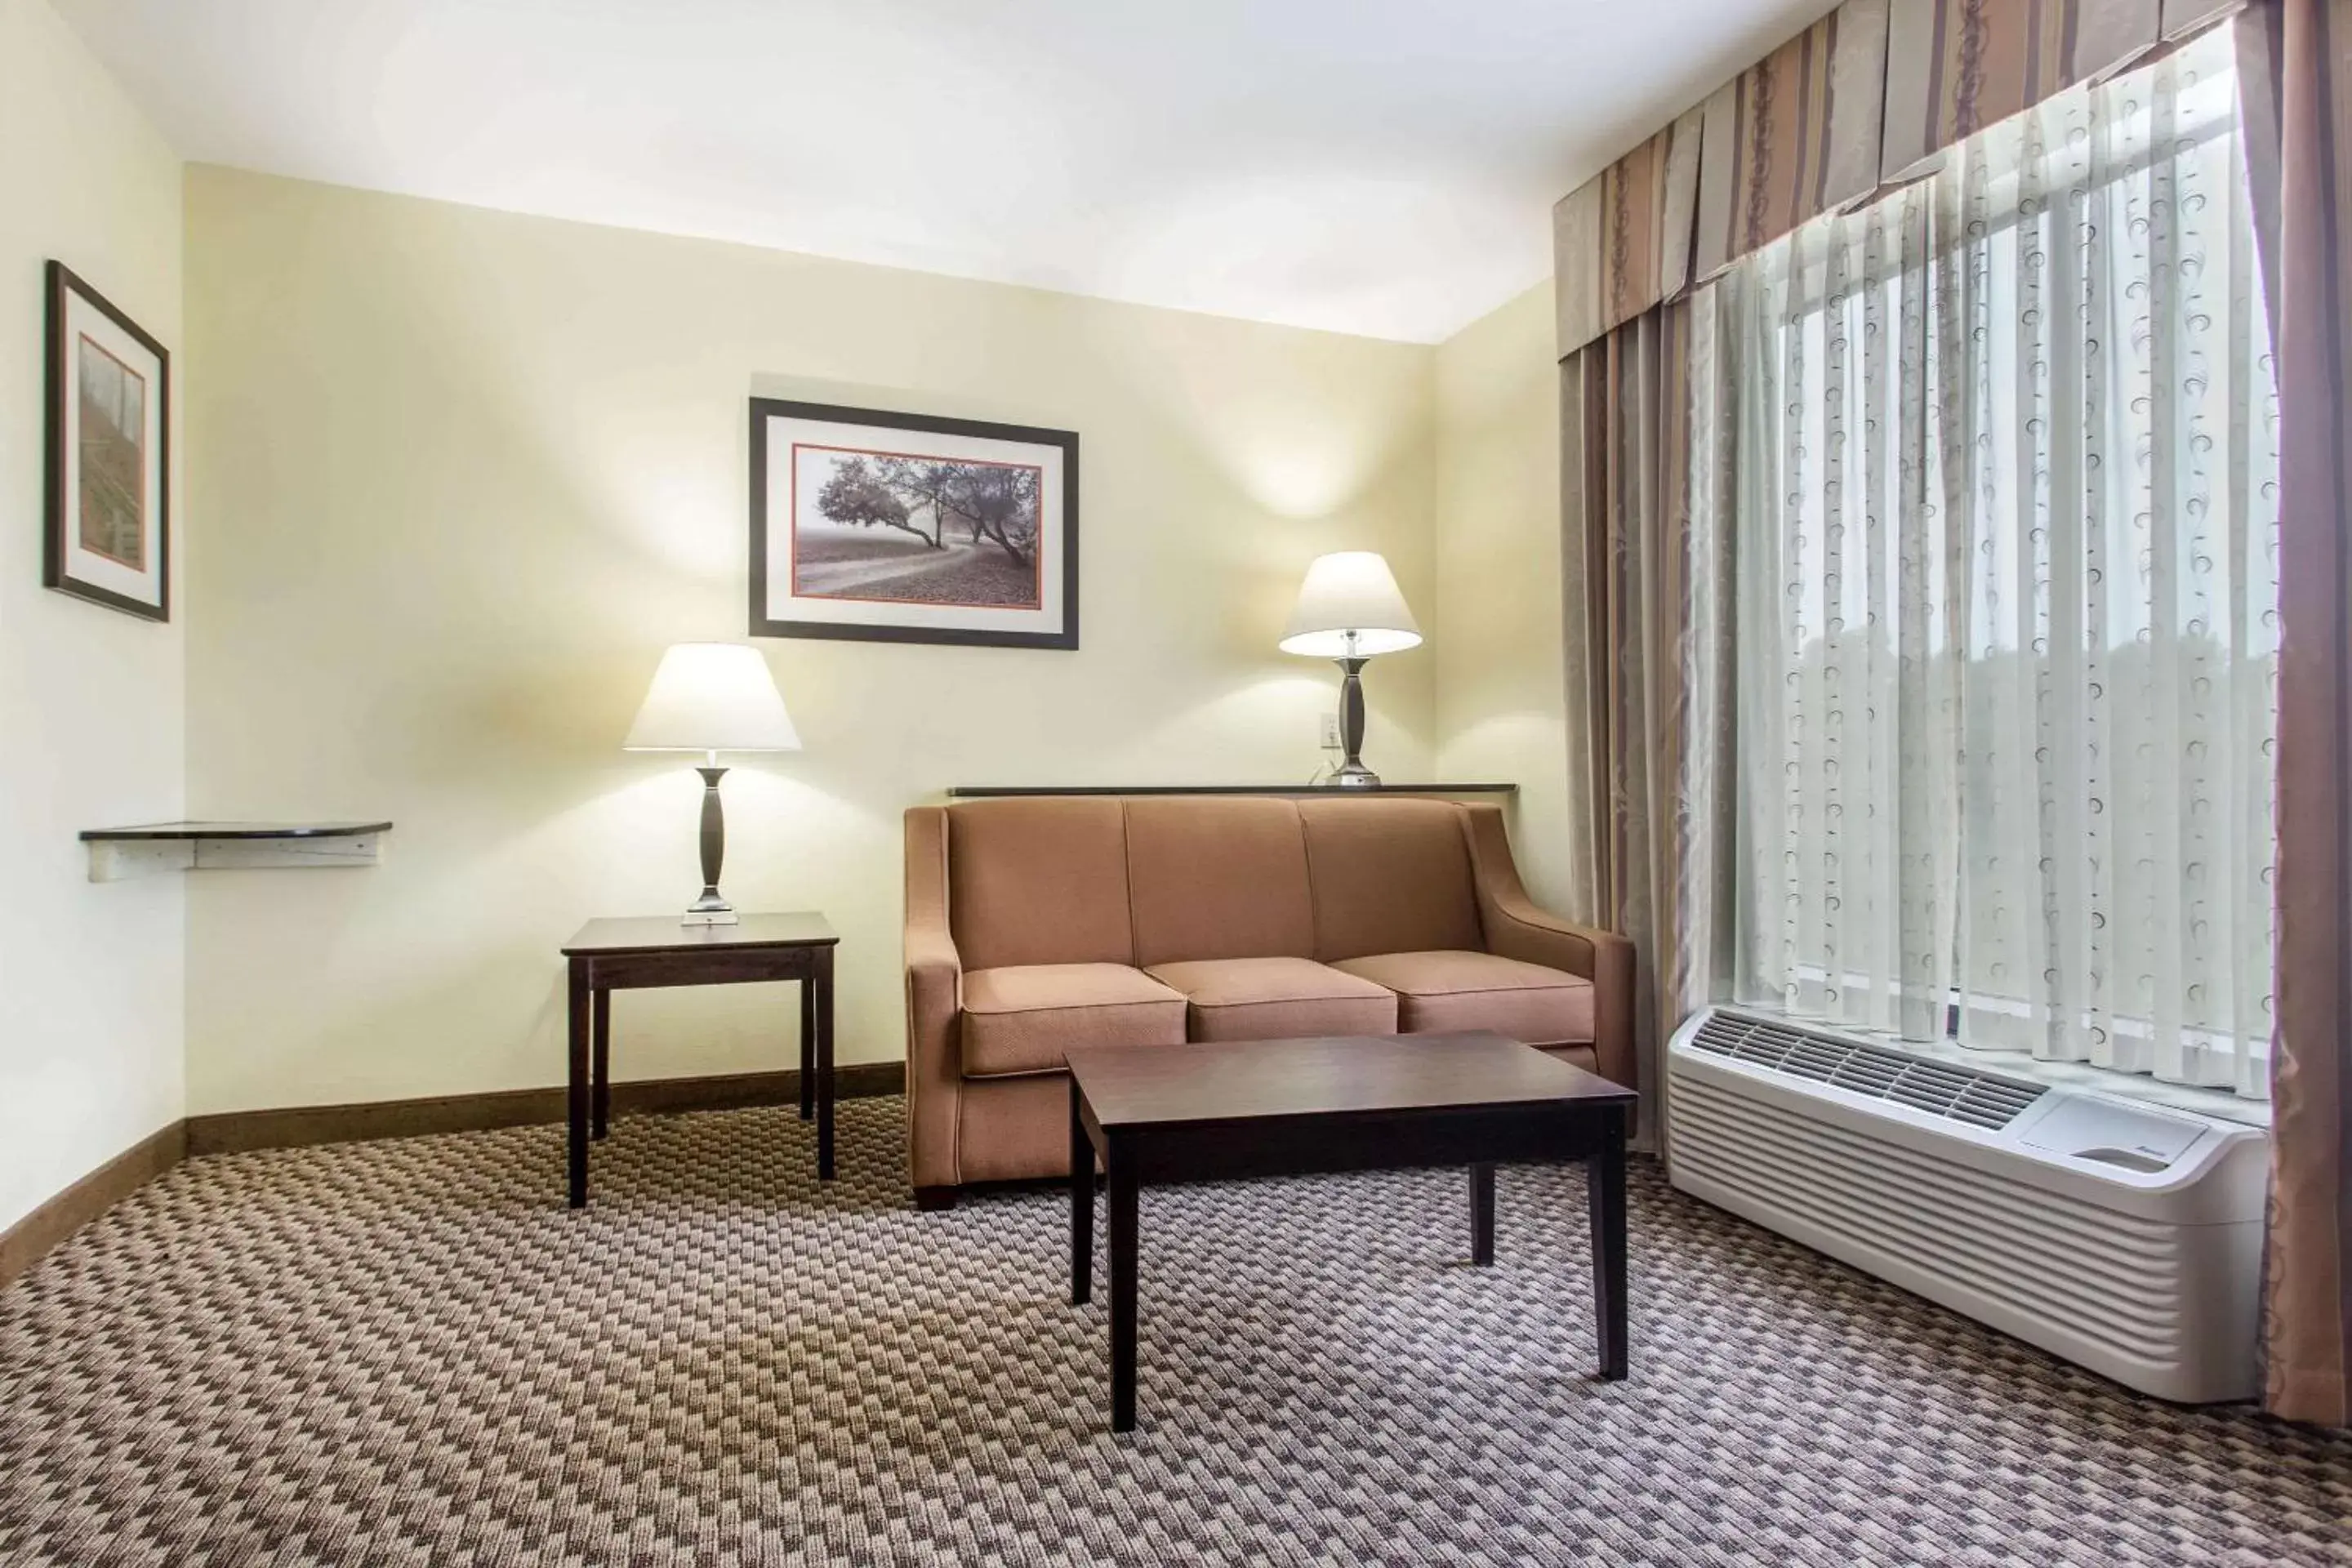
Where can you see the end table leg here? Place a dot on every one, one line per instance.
(576, 1150)
(823, 987)
(1123, 1226)
(602, 1054)
(1482, 1214)
(1604, 1183)
(808, 1048)
(1082, 1205)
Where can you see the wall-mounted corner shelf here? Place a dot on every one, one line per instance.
(153, 847)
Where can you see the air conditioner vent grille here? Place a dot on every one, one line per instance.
(1954, 1093)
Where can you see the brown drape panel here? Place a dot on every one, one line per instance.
(1626, 509)
(2296, 68)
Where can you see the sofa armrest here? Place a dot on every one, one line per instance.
(1517, 928)
(934, 1006)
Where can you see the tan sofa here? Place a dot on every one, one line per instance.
(1037, 924)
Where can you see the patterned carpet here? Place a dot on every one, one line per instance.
(409, 1351)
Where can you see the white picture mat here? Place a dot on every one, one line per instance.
(784, 433)
(84, 319)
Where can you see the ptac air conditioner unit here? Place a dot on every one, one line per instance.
(2122, 1237)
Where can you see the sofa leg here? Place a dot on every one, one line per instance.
(931, 1200)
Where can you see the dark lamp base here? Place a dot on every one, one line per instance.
(1352, 773)
(710, 909)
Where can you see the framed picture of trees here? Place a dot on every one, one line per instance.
(108, 532)
(885, 527)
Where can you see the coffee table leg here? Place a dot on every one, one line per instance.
(1082, 1205)
(1604, 1184)
(1123, 1205)
(581, 998)
(1482, 1214)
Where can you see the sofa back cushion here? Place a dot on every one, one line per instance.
(1038, 881)
(1389, 876)
(1218, 877)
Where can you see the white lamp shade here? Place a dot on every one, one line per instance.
(1349, 607)
(712, 697)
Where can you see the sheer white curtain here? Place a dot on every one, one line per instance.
(1998, 459)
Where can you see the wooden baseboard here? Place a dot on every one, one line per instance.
(238, 1131)
(24, 1244)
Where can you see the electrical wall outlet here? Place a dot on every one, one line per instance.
(1331, 731)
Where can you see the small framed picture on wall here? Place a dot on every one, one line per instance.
(109, 526)
(883, 527)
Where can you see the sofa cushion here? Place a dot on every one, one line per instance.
(1024, 1018)
(1450, 989)
(1038, 881)
(1276, 999)
(1218, 879)
(1389, 876)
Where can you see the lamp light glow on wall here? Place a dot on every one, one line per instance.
(710, 698)
(1350, 609)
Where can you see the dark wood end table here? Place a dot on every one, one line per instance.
(609, 955)
(1223, 1110)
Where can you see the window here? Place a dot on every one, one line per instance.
(2002, 452)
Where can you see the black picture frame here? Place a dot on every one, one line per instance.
(63, 286)
(763, 624)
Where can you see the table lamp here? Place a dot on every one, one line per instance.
(1350, 609)
(712, 697)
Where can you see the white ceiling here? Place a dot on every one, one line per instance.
(1384, 167)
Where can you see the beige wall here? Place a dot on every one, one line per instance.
(90, 699)
(1500, 691)
(465, 474)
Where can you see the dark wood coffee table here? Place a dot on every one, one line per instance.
(1283, 1107)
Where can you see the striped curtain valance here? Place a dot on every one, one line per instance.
(1792, 136)
(1867, 96)
(1955, 67)
(1622, 240)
